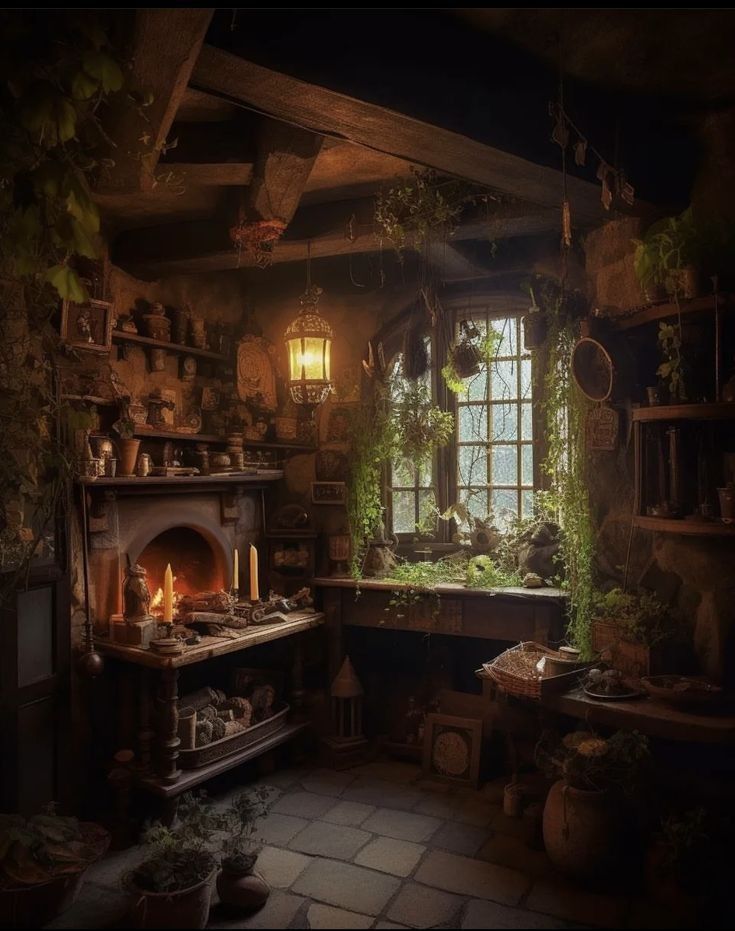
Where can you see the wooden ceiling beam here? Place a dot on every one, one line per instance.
(166, 45)
(343, 228)
(283, 163)
(324, 111)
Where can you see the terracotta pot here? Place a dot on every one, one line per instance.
(580, 830)
(128, 456)
(243, 889)
(188, 908)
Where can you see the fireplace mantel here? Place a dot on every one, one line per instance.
(160, 484)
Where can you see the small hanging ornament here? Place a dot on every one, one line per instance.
(602, 427)
(606, 175)
(580, 151)
(560, 133)
(566, 224)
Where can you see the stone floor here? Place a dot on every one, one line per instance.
(380, 847)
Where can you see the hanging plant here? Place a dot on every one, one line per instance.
(420, 427)
(467, 357)
(422, 207)
(415, 350)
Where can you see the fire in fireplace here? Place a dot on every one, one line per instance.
(195, 564)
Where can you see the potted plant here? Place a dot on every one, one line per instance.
(42, 864)
(666, 259)
(583, 821)
(675, 861)
(535, 324)
(127, 445)
(238, 884)
(467, 356)
(172, 887)
(636, 629)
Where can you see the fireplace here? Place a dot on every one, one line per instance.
(196, 530)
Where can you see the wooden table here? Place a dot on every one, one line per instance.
(158, 748)
(510, 614)
(647, 715)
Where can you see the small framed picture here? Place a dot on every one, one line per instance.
(210, 399)
(339, 424)
(87, 326)
(328, 493)
(452, 747)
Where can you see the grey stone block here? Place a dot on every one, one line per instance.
(475, 878)
(346, 886)
(330, 840)
(401, 825)
(480, 914)
(280, 868)
(303, 804)
(388, 855)
(351, 813)
(325, 916)
(420, 907)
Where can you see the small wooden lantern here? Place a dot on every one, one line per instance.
(348, 745)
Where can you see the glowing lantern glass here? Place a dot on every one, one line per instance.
(309, 345)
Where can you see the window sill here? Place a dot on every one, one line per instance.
(447, 588)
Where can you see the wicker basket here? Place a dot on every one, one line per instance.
(534, 686)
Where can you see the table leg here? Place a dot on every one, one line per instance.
(146, 735)
(297, 679)
(168, 726)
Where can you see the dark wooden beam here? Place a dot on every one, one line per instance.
(324, 111)
(285, 157)
(331, 229)
(166, 45)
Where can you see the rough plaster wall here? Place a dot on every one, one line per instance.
(693, 574)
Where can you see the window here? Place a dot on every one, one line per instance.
(411, 486)
(491, 466)
(494, 428)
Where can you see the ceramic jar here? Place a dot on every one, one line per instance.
(156, 324)
(158, 360)
(198, 333)
(242, 888)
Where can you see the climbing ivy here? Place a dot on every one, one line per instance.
(567, 499)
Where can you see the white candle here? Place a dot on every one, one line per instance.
(236, 570)
(254, 593)
(168, 596)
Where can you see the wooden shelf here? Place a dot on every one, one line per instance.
(656, 312)
(694, 528)
(120, 336)
(144, 433)
(194, 777)
(138, 483)
(715, 411)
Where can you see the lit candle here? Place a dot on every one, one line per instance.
(236, 571)
(254, 593)
(168, 596)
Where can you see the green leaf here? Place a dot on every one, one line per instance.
(107, 71)
(81, 206)
(83, 244)
(83, 86)
(50, 178)
(65, 118)
(67, 283)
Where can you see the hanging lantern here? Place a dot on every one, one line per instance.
(309, 344)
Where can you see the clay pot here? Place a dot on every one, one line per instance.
(157, 326)
(243, 889)
(188, 908)
(580, 830)
(128, 450)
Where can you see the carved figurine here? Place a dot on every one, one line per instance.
(136, 596)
